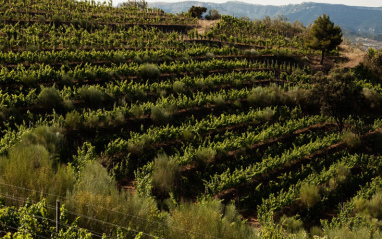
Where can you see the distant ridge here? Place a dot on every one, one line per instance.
(350, 18)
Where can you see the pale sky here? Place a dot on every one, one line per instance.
(365, 3)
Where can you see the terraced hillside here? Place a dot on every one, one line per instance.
(142, 126)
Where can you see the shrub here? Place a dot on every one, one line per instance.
(370, 208)
(96, 195)
(161, 114)
(57, 19)
(179, 86)
(266, 96)
(351, 139)
(92, 96)
(292, 224)
(342, 173)
(50, 98)
(208, 219)
(205, 156)
(219, 100)
(30, 166)
(372, 97)
(48, 137)
(148, 71)
(210, 56)
(73, 120)
(165, 175)
(309, 195)
(66, 79)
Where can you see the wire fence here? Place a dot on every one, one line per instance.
(109, 210)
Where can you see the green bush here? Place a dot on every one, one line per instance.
(96, 195)
(92, 96)
(49, 137)
(165, 175)
(205, 156)
(73, 120)
(309, 195)
(208, 219)
(148, 71)
(370, 208)
(30, 166)
(351, 139)
(292, 224)
(179, 86)
(160, 114)
(50, 98)
(210, 56)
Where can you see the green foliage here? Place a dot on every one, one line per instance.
(49, 137)
(165, 175)
(197, 11)
(73, 120)
(162, 115)
(309, 195)
(339, 96)
(50, 98)
(179, 86)
(213, 14)
(96, 195)
(148, 71)
(292, 224)
(342, 174)
(92, 96)
(323, 35)
(208, 218)
(30, 166)
(351, 139)
(370, 208)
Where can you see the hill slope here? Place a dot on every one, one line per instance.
(355, 19)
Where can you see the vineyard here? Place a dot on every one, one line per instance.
(143, 127)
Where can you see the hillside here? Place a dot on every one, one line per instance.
(144, 124)
(353, 19)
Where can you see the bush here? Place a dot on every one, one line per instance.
(73, 120)
(96, 195)
(57, 19)
(309, 195)
(292, 224)
(50, 98)
(205, 156)
(148, 71)
(92, 96)
(179, 86)
(219, 100)
(29, 166)
(48, 137)
(370, 208)
(210, 56)
(165, 175)
(342, 174)
(208, 219)
(160, 114)
(351, 139)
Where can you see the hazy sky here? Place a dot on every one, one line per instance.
(366, 3)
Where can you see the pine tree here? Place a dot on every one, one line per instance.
(323, 35)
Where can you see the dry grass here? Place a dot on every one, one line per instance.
(354, 56)
(206, 25)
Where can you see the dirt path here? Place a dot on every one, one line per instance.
(353, 55)
(206, 25)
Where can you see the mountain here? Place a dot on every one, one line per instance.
(350, 18)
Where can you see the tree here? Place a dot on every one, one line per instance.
(213, 15)
(323, 35)
(339, 96)
(197, 11)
